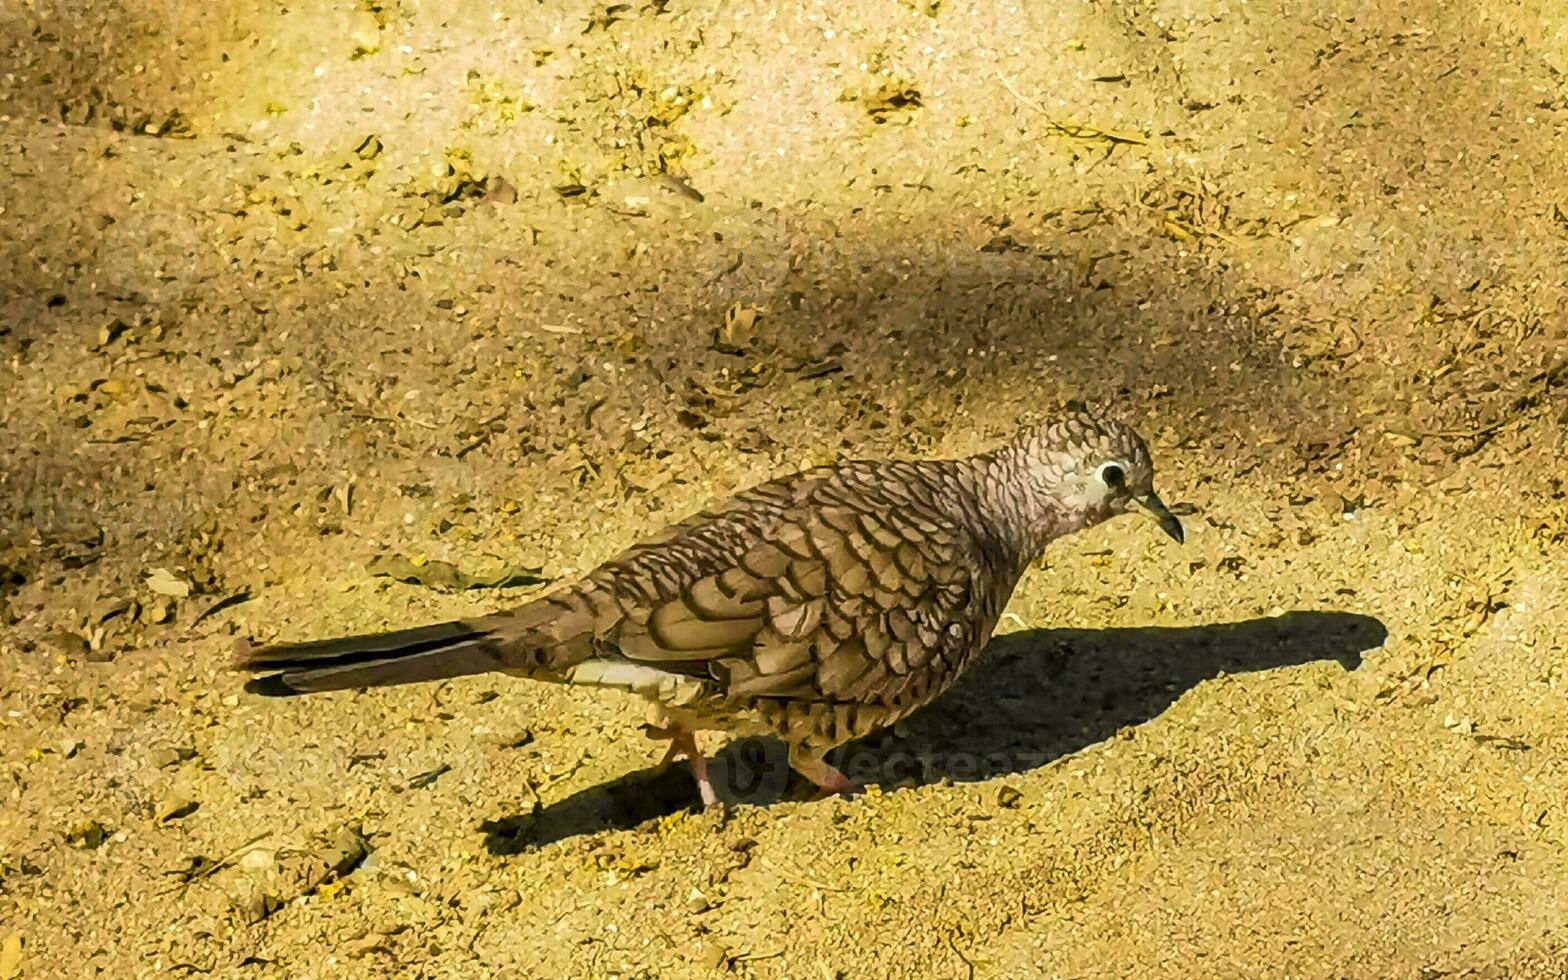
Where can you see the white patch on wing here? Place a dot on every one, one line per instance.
(650, 682)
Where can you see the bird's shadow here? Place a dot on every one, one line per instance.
(1034, 697)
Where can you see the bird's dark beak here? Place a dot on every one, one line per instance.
(1156, 509)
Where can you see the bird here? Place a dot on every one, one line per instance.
(818, 607)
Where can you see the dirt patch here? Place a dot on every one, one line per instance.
(288, 294)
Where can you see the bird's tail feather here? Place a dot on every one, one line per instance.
(424, 653)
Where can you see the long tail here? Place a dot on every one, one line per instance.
(424, 653)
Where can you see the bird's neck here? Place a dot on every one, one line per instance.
(1020, 510)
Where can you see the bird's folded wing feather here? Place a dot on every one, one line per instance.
(850, 596)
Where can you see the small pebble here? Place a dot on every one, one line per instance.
(696, 901)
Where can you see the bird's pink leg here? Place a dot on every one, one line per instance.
(828, 780)
(684, 743)
(699, 769)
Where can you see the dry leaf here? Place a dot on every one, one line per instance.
(164, 582)
(89, 835)
(740, 324)
(448, 577)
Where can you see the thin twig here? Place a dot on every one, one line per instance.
(1022, 100)
(1484, 430)
(183, 885)
(1071, 130)
(968, 963)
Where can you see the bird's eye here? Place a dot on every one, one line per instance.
(1112, 475)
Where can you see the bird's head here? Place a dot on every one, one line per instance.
(1093, 469)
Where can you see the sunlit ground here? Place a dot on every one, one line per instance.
(289, 294)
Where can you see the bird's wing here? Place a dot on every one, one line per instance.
(855, 591)
(586, 620)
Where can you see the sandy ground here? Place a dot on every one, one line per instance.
(285, 291)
